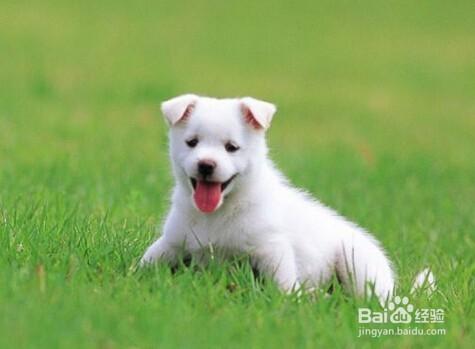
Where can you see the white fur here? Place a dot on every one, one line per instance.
(290, 237)
(173, 109)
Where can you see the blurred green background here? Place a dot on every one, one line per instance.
(376, 118)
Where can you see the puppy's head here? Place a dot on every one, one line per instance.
(214, 143)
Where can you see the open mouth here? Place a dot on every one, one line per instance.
(207, 194)
(223, 185)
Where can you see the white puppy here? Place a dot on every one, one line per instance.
(229, 196)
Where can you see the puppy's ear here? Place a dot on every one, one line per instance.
(179, 108)
(257, 113)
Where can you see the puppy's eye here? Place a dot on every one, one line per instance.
(192, 142)
(231, 147)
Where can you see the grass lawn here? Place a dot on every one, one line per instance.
(376, 118)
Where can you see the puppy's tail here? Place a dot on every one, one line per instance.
(424, 282)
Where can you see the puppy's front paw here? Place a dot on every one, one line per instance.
(144, 261)
(158, 250)
(148, 258)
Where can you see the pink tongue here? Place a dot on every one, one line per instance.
(207, 196)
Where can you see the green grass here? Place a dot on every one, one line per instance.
(376, 118)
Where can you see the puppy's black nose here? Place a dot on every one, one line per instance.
(206, 167)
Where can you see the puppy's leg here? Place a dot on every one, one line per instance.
(363, 267)
(278, 262)
(165, 248)
(159, 250)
